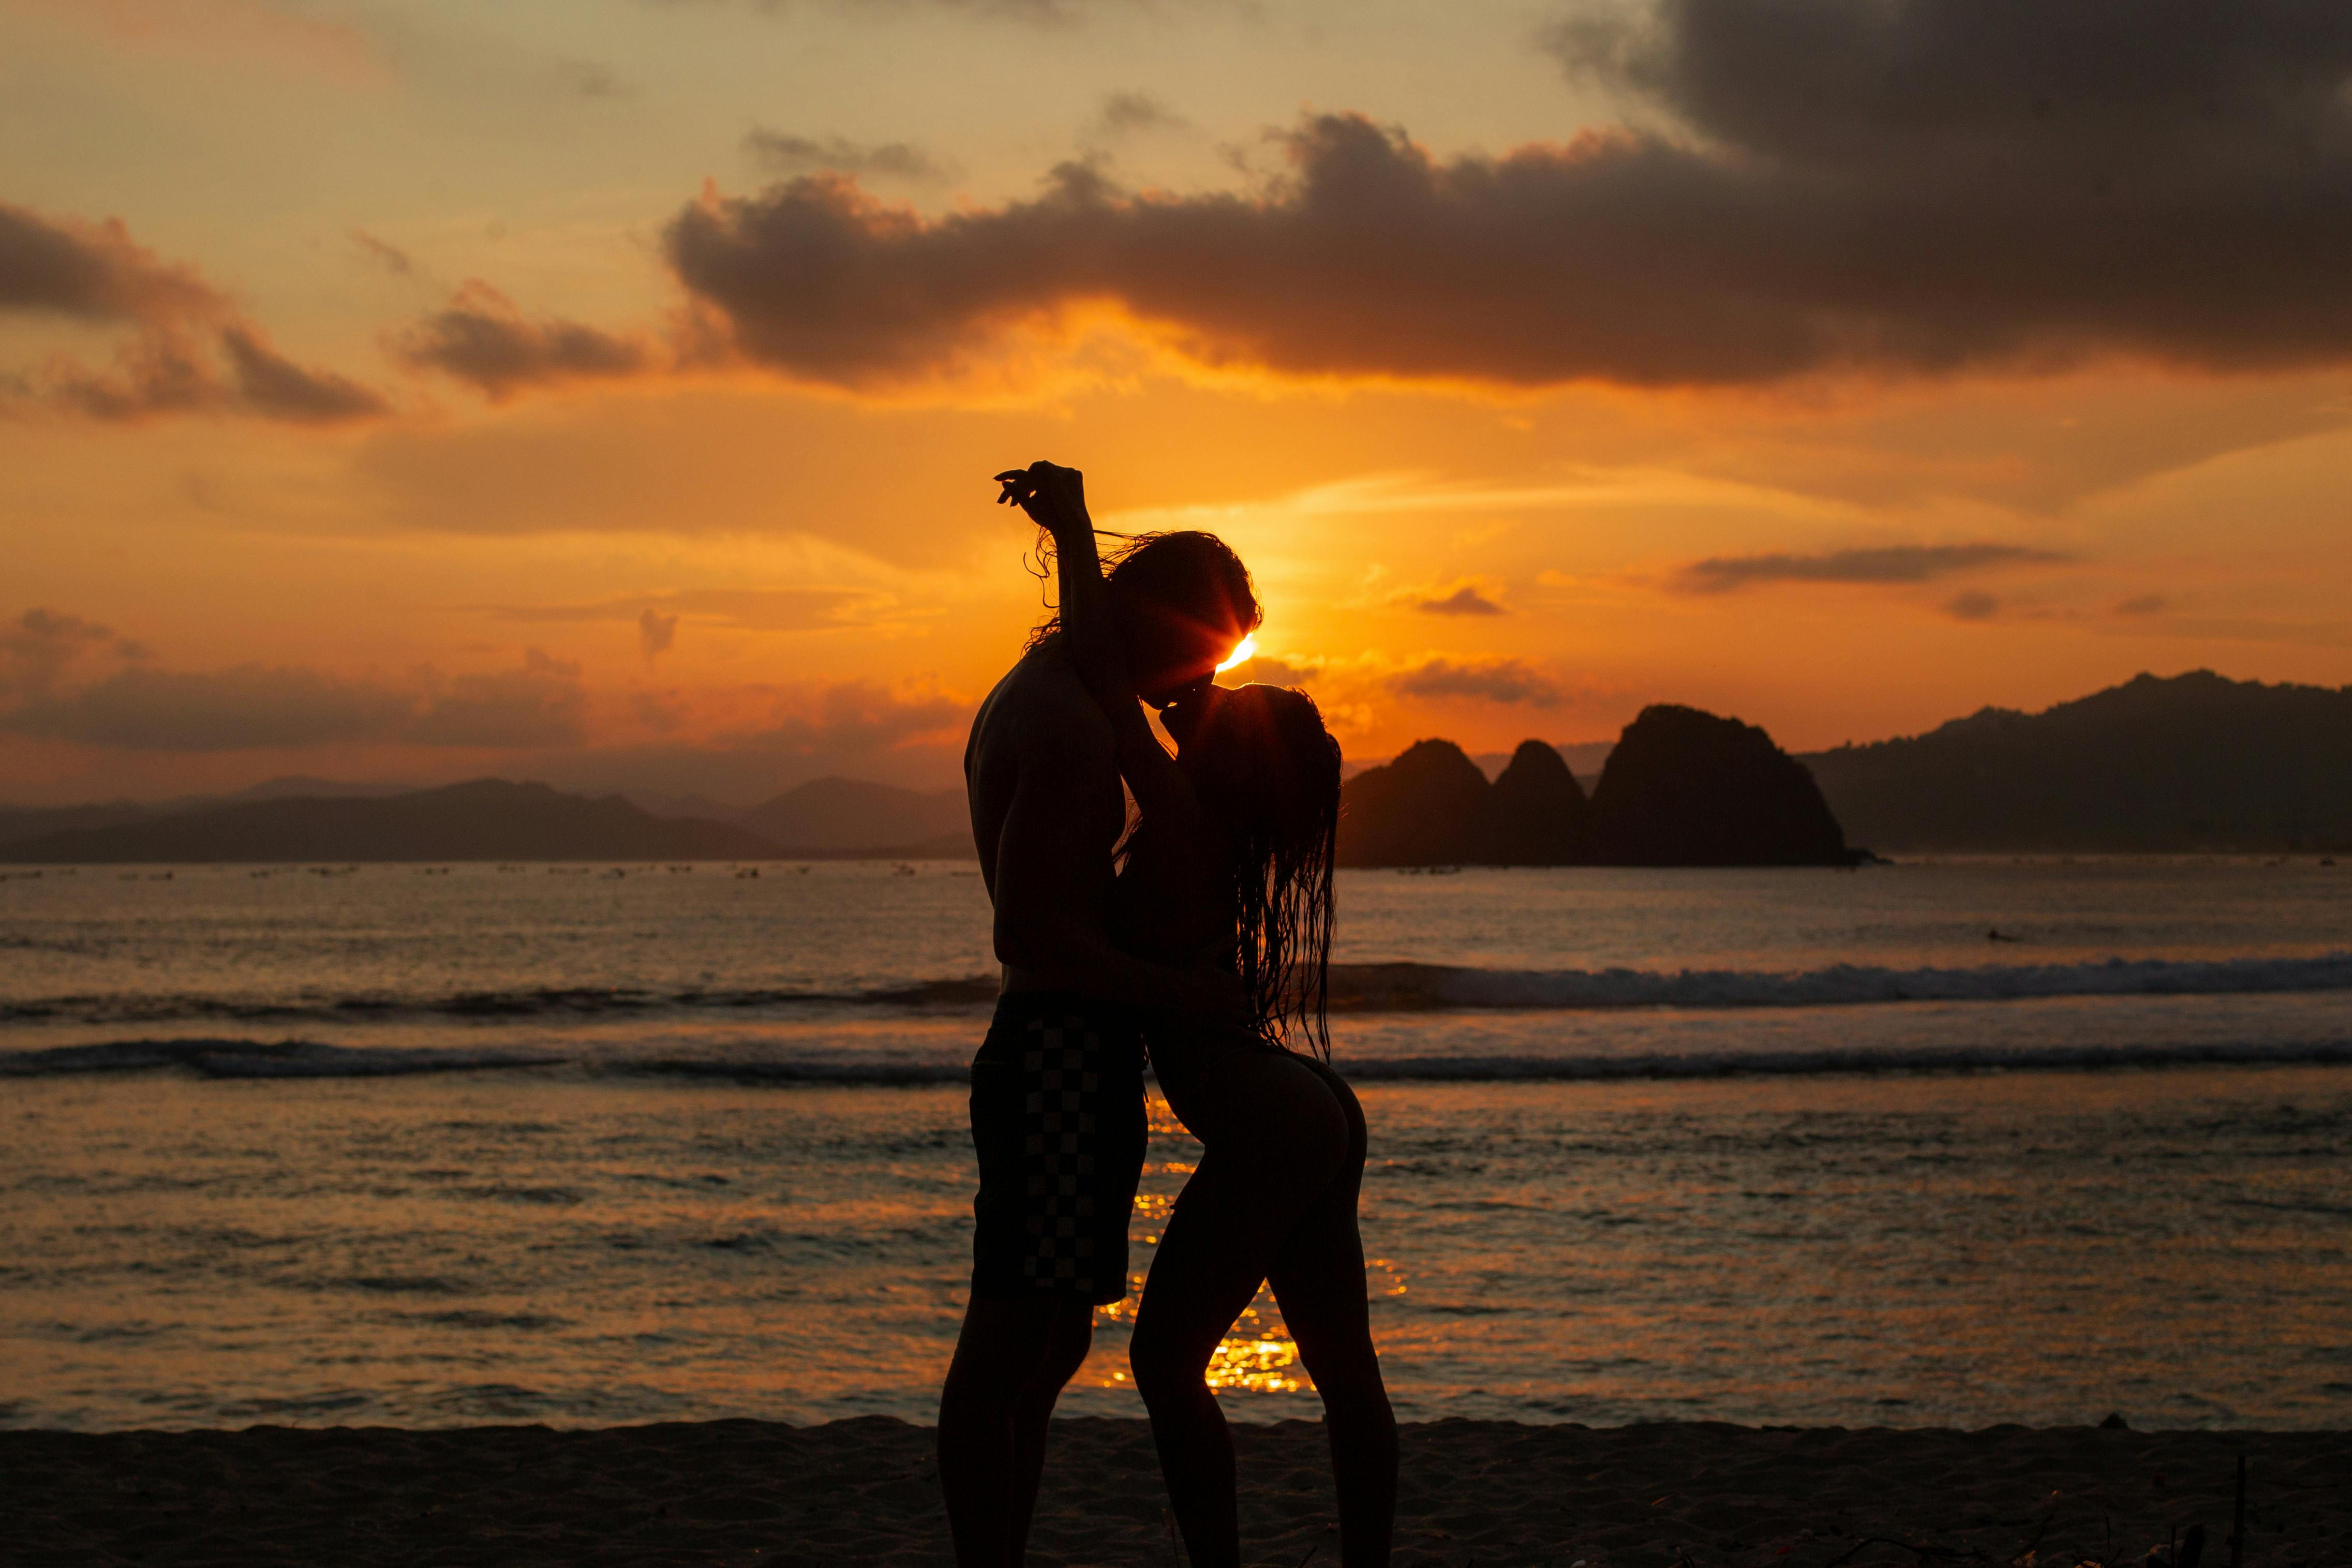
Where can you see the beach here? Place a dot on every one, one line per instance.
(1494, 1493)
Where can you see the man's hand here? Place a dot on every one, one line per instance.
(1055, 496)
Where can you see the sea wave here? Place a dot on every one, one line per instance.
(1354, 989)
(260, 1059)
(253, 1059)
(1406, 987)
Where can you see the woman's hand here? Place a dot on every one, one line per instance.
(1052, 496)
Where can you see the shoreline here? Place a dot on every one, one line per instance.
(864, 1490)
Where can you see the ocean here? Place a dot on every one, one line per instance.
(1939, 1144)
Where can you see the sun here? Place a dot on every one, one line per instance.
(1242, 654)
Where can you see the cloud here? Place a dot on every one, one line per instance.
(540, 704)
(1126, 114)
(276, 387)
(2144, 604)
(656, 633)
(1974, 604)
(1037, 13)
(792, 155)
(384, 254)
(1891, 187)
(481, 338)
(228, 28)
(192, 351)
(95, 272)
(1468, 599)
(739, 609)
(1890, 564)
(257, 707)
(251, 705)
(39, 644)
(1486, 680)
(1266, 669)
(911, 734)
(589, 79)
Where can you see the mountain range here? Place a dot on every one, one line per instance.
(2195, 762)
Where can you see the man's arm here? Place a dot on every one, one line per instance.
(1052, 879)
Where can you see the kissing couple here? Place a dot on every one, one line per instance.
(1203, 937)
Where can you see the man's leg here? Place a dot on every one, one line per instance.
(1011, 1361)
(1067, 1340)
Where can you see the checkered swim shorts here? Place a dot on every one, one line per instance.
(1057, 1120)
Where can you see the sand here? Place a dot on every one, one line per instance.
(863, 1491)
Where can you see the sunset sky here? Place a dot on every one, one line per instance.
(605, 390)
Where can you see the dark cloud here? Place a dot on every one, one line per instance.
(163, 372)
(1975, 604)
(656, 633)
(1134, 113)
(540, 704)
(2144, 604)
(1891, 186)
(256, 706)
(38, 645)
(274, 386)
(1891, 564)
(1486, 680)
(192, 351)
(797, 154)
(1466, 600)
(93, 271)
(480, 336)
(222, 710)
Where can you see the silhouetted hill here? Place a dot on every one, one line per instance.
(1687, 787)
(29, 822)
(841, 814)
(1426, 808)
(1680, 788)
(2193, 762)
(489, 819)
(1535, 814)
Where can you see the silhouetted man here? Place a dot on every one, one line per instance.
(1057, 1114)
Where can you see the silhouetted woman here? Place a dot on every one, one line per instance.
(1230, 863)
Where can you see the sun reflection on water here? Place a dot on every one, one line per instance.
(1257, 1354)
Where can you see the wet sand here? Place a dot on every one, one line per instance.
(865, 1491)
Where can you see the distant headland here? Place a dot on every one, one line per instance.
(2195, 763)
(1682, 788)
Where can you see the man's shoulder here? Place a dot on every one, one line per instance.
(1041, 700)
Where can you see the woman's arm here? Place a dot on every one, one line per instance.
(1055, 497)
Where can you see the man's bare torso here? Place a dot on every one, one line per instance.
(1039, 725)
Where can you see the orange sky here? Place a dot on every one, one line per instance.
(605, 391)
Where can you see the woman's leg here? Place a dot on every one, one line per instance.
(1317, 1275)
(1280, 1142)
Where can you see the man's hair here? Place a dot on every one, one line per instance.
(1193, 573)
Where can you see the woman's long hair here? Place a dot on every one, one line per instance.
(1268, 772)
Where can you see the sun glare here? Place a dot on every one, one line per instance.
(1241, 655)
